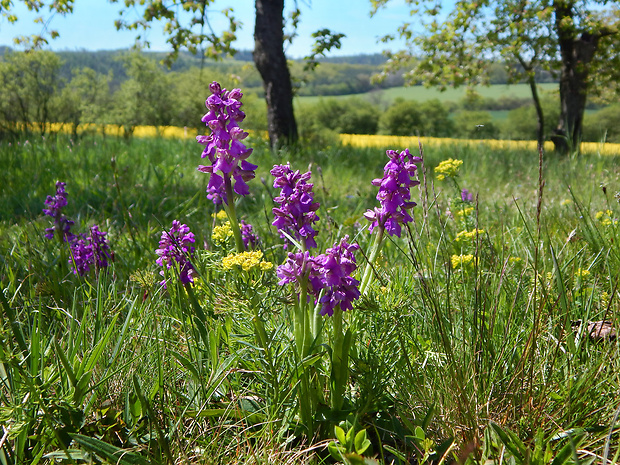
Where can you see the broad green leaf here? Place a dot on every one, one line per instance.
(109, 452)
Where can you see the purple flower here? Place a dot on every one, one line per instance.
(297, 210)
(399, 176)
(88, 251)
(301, 268)
(330, 272)
(466, 196)
(177, 247)
(250, 239)
(335, 268)
(54, 208)
(100, 247)
(223, 147)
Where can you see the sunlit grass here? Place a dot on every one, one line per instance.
(447, 328)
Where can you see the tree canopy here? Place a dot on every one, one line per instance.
(564, 36)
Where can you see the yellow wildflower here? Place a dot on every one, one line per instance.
(581, 273)
(514, 260)
(604, 217)
(448, 169)
(222, 233)
(463, 213)
(247, 261)
(566, 202)
(467, 236)
(221, 215)
(604, 299)
(462, 261)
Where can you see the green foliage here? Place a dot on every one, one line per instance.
(28, 84)
(61, 7)
(145, 98)
(184, 30)
(350, 116)
(475, 125)
(604, 125)
(522, 123)
(85, 99)
(402, 118)
(456, 48)
(409, 118)
(130, 370)
(349, 447)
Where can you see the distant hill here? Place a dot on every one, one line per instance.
(336, 76)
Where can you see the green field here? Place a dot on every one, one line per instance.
(470, 344)
(421, 93)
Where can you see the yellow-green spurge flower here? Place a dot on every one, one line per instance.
(246, 261)
(222, 233)
(462, 261)
(448, 168)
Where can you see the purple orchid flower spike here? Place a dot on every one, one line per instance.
(297, 210)
(224, 147)
(177, 246)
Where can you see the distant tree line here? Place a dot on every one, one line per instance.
(470, 118)
(36, 90)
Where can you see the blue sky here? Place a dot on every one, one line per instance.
(91, 26)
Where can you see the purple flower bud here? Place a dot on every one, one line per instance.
(399, 176)
(250, 239)
(223, 147)
(88, 251)
(466, 196)
(177, 247)
(335, 268)
(62, 224)
(297, 210)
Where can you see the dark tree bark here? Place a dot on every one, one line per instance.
(540, 132)
(577, 53)
(271, 64)
(531, 80)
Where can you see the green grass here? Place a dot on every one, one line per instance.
(112, 365)
(421, 93)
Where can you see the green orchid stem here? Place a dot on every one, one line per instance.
(374, 252)
(302, 346)
(229, 207)
(340, 365)
(303, 328)
(194, 301)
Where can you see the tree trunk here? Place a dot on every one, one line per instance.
(271, 64)
(577, 53)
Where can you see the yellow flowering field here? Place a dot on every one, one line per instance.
(354, 140)
(358, 140)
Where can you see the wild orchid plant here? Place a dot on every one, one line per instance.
(227, 153)
(399, 176)
(323, 284)
(87, 251)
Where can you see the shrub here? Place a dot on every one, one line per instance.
(348, 116)
(411, 118)
(436, 119)
(402, 118)
(603, 125)
(475, 125)
(522, 123)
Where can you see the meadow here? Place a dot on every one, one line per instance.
(469, 341)
(422, 94)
